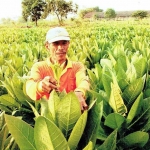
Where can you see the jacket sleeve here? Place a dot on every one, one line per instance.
(32, 83)
(82, 80)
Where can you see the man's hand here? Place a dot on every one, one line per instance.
(47, 84)
(81, 99)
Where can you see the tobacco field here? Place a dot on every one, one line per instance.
(117, 59)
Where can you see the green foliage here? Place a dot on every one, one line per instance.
(110, 13)
(60, 8)
(117, 60)
(140, 14)
(83, 12)
(33, 9)
(47, 133)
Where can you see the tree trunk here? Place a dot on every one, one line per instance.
(59, 19)
(36, 22)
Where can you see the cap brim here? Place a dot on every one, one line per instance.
(59, 39)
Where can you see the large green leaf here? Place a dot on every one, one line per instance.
(135, 139)
(140, 66)
(45, 110)
(92, 125)
(22, 132)
(116, 101)
(107, 79)
(53, 102)
(121, 63)
(110, 142)
(48, 136)
(98, 71)
(7, 100)
(77, 131)
(21, 97)
(135, 109)
(114, 120)
(131, 73)
(68, 113)
(133, 90)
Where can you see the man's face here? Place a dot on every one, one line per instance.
(58, 50)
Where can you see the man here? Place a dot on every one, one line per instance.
(73, 77)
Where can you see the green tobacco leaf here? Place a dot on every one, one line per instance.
(2, 120)
(98, 71)
(7, 85)
(131, 73)
(121, 63)
(3, 131)
(77, 131)
(106, 63)
(137, 139)
(57, 70)
(114, 120)
(132, 91)
(134, 111)
(53, 102)
(116, 101)
(7, 100)
(68, 113)
(107, 79)
(21, 97)
(45, 110)
(3, 136)
(92, 125)
(48, 136)
(141, 66)
(22, 132)
(89, 146)
(110, 142)
(92, 78)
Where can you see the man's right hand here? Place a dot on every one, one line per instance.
(47, 84)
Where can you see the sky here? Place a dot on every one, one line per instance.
(12, 8)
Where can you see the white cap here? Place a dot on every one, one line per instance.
(57, 34)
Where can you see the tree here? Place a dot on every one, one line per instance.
(82, 13)
(140, 14)
(33, 9)
(60, 8)
(110, 13)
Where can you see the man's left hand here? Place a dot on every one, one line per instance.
(81, 99)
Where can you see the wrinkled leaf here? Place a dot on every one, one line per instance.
(48, 136)
(77, 131)
(22, 132)
(68, 113)
(116, 101)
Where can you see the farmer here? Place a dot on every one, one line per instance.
(73, 76)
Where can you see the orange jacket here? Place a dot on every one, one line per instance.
(73, 78)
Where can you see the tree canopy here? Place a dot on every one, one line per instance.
(110, 13)
(140, 14)
(60, 8)
(33, 9)
(82, 13)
